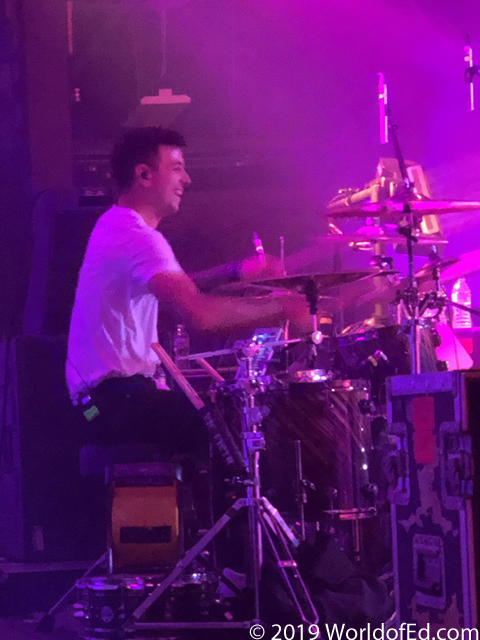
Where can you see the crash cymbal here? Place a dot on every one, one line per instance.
(322, 281)
(243, 289)
(396, 210)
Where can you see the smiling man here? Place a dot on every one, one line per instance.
(128, 267)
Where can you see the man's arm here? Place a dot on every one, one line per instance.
(217, 276)
(249, 269)
(209, 313)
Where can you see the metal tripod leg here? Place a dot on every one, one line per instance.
(277, 530)
(288, 567)
(189, 557)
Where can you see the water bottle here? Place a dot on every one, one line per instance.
(461, 293)
(181, 346)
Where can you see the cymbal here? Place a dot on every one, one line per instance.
(243, 289)
(322, 281)
(426, 272)
(395, 210)
(354, 238)
(465, 265)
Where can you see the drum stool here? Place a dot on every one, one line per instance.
(144, 524)
(145, 516)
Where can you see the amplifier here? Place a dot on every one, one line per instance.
(434, 432)
(146, 528)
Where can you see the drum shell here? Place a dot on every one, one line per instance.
(106, 603)
(330, 422)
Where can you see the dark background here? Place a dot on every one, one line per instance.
(283, 113)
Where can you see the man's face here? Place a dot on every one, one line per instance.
(168, 181)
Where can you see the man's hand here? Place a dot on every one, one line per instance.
(258, 268)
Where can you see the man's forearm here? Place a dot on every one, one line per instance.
(217, 276)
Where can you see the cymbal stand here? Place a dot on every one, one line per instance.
(410, 297)
(301, 485)
(440, 300)
(316, 337)
(264, 521)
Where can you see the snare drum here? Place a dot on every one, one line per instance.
(106, 603)
(331, 423)
(103, 607)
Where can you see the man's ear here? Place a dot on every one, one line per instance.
(142, 172)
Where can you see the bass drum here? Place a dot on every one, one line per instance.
(330, 421)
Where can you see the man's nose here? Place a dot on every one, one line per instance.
(186, 178)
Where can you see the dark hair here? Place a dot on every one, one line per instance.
(139, 146)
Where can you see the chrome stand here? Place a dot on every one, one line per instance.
(265, 525)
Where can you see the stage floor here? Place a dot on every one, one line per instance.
(66, 628)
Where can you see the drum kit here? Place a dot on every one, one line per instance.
(319, 394)
(299, 442)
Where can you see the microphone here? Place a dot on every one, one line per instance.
(470, 71)
(373, 361)
(258, 245)
(382, 108)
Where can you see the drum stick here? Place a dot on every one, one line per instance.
(206, 366)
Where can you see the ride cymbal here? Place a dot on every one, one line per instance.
(322, 281)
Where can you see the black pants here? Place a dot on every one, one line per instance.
(133, 411)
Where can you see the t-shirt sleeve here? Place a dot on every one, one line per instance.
(152, 254)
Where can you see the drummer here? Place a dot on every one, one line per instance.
(128, 267)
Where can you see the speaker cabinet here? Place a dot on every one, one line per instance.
(44, 502)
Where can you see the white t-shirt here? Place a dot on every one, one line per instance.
(114, 319)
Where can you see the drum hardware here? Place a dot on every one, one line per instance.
(308, 375)
(249, 347)
(363, 240)
(264, 521)
(301, 486)
(322, 281)
(46, 623)
(310, 285)
(394, 210)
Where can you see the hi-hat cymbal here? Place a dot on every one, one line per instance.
(356, 239)
(322, 281)
(465, 265)
(396, 210)
(427, 270)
